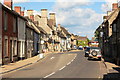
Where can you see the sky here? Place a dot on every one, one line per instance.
(80, 17)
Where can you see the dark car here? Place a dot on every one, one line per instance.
(87, 51)
(95, 53)
(80, 48)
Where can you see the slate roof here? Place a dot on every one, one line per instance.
(65, 31)
(112, 16)
(50, 23)
(42, 30)
(60, 34)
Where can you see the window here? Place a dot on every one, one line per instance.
(5, 21)
(14, 24)
(114, 27)
(6, 47)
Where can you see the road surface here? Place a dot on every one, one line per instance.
(62, 65)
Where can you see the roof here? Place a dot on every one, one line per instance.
(12, 11)
(73, 37)
(61, 35)
(42, 30)
(49, 26)
(50, 23)
(112, 16)
(65, 31)
(32, 25)
(81, 38)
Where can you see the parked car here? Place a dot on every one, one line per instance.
(80, 48)
(87, 51)
(95, 53)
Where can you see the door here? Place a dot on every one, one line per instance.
(11, 51)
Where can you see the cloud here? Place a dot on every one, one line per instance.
(20, 1)
(78, 20)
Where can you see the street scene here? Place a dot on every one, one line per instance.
(59, 40)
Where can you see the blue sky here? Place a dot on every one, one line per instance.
(48, 5)
(80, 18)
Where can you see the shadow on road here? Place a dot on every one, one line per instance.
(113, 75)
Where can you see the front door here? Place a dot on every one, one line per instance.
(11, 52)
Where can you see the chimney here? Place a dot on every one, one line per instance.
(59, 27)
(8, 3)
(114, 6)
(105, 17)
(109, 12)
(32, 17)
(44, 13)
(52, 17)
(29, 12)
(22, 13)
(17, 9)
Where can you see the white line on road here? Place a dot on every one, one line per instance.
(72, 60)
(52, 57)
(99, 77)
(62, 68)
(49, 75)
(69, 63)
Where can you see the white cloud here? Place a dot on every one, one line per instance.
(79, 20)
(20, 1)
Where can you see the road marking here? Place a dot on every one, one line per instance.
(62, 68)
(72, 60)
(75, 56)
(49, 75)
(52, 57)
(99, 77)
(69, 63)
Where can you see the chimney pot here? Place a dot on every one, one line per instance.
(44, 13)
(22, 13)
(32, 17)
(114, 6)
(8, 3)
(17, 9)
(29, 13)
(43, 9)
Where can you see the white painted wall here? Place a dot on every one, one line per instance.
(21, 37)
(21, 29)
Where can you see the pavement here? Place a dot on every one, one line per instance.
(23, 63)
(113, 71)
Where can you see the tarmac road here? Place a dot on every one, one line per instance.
(62, 65)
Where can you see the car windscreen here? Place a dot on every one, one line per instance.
(87, 49)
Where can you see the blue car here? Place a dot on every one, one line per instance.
(80, 48)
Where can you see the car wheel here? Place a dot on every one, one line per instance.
(99, 59)
(88, 58)
(94, 53)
